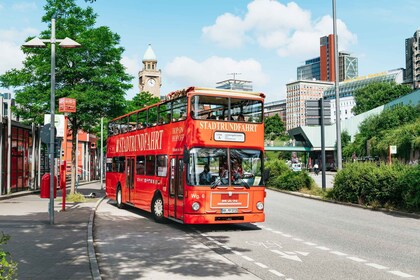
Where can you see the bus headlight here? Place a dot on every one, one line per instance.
(260, 205)
(195, 206)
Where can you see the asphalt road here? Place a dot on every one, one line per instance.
(301, 239)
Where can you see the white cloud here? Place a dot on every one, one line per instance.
(11, 41)
(132, 65)
(288, 29)
(188, 72)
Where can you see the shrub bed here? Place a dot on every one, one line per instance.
(281, 177)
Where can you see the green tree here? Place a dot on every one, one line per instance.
(141, 100)
(377, 94)
(273, 127)
(92, 74)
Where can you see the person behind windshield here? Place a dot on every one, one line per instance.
(205, 176)
(241, 118)
(236, 170)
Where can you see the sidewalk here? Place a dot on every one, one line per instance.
(44, 251)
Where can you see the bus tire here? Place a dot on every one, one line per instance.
(157, 209)
(118, 197)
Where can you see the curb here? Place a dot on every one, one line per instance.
(93, 262)
(383, 210)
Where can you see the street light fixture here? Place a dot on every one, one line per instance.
(40, 43)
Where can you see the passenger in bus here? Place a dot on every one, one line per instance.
(224, 174)
(236, 171)
(241, 118)
(205, 176)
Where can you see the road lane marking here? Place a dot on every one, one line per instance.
(378, 266)
(278, 232)
(247, 258)
(261, 265)
(356, 259)
(291, 257)
(297, 239)
(310, 243)
(275, 272)
(323, 248)
(237, 253)
(286, 235)
(226, 247)
(401, 274)
(338, 253)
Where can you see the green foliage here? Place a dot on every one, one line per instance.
(8, 268)
(141, 100)
(377, 94)
(282, 177)
(399, 126)
(409, 183)
(76, 197)
(396, 186)
(273, 127)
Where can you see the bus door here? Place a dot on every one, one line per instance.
(176, 188)
(129, 183)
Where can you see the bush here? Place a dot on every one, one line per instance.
(281, 177)
(76, 197)
(409, 183)
(8, 268)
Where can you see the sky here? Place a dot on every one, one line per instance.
(201, 42)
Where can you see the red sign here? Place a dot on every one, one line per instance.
(67, 105)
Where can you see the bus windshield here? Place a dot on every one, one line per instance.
(226, 109)
(209, 166)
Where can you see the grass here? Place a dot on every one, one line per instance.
(76, 197)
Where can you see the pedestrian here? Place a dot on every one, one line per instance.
(316, 168)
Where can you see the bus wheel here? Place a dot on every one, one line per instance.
(157, 209)
(119, 198)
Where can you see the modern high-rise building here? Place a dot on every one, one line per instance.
(327, 62)
(297, 93)
(348, 66)
(322, 68)
(309, 71)
(412, 60)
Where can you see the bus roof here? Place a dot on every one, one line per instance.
(213, 91)
(203, 90)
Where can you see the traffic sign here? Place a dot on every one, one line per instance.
(46, 134)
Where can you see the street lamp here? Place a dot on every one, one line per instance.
(40, 43)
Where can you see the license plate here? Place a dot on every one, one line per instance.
(229, 210)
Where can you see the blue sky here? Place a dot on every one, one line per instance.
(199, 42)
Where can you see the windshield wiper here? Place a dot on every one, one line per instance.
(216, 183)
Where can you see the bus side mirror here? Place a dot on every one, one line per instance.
(186, 155)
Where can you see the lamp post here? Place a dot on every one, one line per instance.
(337, 93)
(40, 43)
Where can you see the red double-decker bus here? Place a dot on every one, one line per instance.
(196, 158)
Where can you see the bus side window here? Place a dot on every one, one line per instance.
(141, 119)
(152, 116)
(140, 165)
(150, 165)
(162, 165)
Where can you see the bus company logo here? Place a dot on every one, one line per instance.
(243, 127)
(140, 142)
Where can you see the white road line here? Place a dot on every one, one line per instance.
(356, 259)
(401, 274)
(210, 238)
(248, 258)
(261, 265)
(226, 247)
(278, 232)
(323, 248)
(275, 272)
(237, 253)
(338, 253)
(310, 243)
(286, 235)
(217, 243)
(297, 239)
(268, 228)
(378, 266)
